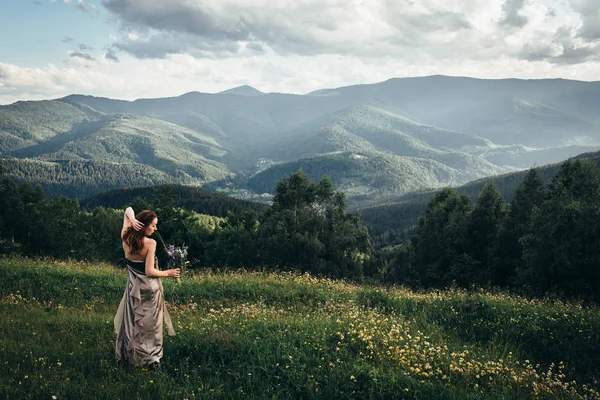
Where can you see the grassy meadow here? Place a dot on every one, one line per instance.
(282, 335)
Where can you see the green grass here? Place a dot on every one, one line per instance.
(281, 335)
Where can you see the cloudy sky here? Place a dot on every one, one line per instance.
(130, 49)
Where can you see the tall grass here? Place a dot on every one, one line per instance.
(268, 335)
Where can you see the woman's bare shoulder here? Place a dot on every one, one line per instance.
(149, 242)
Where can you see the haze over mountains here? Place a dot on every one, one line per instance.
(375, 141)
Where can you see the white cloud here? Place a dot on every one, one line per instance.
(166, 48)
(81, 55)
(18, 83)
(175, 75)
(589, 11)
(356, 27)
(512, 15)
(80, 5)
(110, 55)
(563, 47)
(406, 30)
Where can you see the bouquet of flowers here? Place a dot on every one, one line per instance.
(177, 260)
(177, 256)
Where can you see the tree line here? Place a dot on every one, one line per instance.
(187, 197)
(546, 239)
(307, 228)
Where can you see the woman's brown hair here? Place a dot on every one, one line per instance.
(133, 238)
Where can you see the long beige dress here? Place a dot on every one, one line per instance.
(139, 319)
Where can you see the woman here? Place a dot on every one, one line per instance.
(139, 319)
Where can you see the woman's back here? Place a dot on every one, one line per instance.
(139, 256)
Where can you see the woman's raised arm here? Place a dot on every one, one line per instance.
(129, 220)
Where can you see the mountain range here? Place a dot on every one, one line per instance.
(376, 141)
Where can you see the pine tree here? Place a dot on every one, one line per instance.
(11, 207)
(562, 252)
(439, 245)
(308, 228)
(484, 223)
(508, 251)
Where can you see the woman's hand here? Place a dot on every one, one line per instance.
(129, 220)
(174, 273)
(137, 225)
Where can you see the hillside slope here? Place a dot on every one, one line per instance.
(190, 198)
(362, 174)
(254, 335)
(402, 212)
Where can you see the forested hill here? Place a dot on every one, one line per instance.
(188, 197)
(412, 134)
(405, 211)
(81, 178)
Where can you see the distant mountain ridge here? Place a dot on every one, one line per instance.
(416, 127)
(243, 90)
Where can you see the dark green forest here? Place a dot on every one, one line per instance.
(544, 240)
(307, 228)
(76, 178)
(187, 197)
(394, 222)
